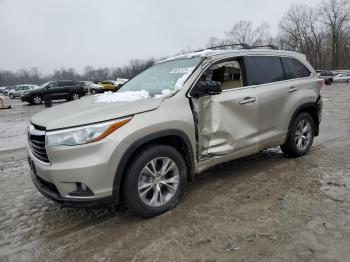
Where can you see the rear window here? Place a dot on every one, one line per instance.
(263, 69)
(294, 69)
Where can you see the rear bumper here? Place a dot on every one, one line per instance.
(319, 107)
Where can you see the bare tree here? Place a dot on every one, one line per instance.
(300, 30)
(243, 32)
(214, 41)
(335, 15)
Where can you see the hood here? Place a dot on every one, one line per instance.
(87, 111)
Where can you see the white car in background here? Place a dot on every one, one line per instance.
(20, 90)
(91, 87)
(344, 77)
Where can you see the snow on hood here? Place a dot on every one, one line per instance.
(127, 96)
(164, 93)
(86, 111)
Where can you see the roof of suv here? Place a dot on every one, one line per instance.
(227, 52)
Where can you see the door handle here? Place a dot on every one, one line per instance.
(292, 89)
(247, 100)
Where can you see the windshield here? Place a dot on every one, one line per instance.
(167, 75)
(45, 84)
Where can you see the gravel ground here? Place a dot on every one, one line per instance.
(261, 208)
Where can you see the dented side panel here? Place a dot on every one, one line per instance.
(224, 125)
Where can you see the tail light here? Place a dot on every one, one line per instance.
(320, 82)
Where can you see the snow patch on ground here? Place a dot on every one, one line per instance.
(127, 96)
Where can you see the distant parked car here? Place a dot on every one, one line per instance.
(7, 90)
(2, 89)
(109, 85)
(328, 76)
(63, 89)
(344, 77)
(91, 87)
(113, 85)
(19, 90)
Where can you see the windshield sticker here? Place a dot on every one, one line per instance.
(181, 70)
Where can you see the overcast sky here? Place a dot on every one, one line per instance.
(51, 34)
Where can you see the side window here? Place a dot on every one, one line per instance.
(263, 69)
(62, 83)
(294, 69)
(53, 84)
(228, 73)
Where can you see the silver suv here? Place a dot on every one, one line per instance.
(141, 145)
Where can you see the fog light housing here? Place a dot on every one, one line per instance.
(81, 191)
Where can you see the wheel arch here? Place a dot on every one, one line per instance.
(310, 108)
(172, 137)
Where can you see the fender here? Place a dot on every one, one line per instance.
(315, 106)
(142, 141)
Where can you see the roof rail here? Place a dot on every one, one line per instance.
(243, 45)
(270, 46)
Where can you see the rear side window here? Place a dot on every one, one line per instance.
(294, 69)
(62, 83)
(67, 83)
(263, 69)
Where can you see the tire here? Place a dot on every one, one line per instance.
(140, 187)
(299, 140)
(11, 96)
(37, 100)
(93, 91)
(75, 96)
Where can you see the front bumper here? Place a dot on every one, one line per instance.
(50, 191)
(93, 165)
(25, 99)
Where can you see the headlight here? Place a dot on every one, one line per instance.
(85, 134)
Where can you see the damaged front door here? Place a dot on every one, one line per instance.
(226, 122)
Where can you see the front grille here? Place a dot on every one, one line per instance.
(36, 139)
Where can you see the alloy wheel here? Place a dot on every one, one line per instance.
(75, 96)
(303, 134)
(158, 181)
(37, 99)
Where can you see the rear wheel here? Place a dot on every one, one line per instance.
(93, 91)
(37, 100)
(301, 136)
(155, 181)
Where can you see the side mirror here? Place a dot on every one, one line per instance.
(207, 87)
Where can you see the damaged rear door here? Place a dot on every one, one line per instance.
(226, 122)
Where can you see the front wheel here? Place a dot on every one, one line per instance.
(37, 100)
(301, 136)
(12, 96)
(155, 181)
(75, 96)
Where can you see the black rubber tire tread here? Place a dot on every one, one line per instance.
(289, 147)
(131, 197)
